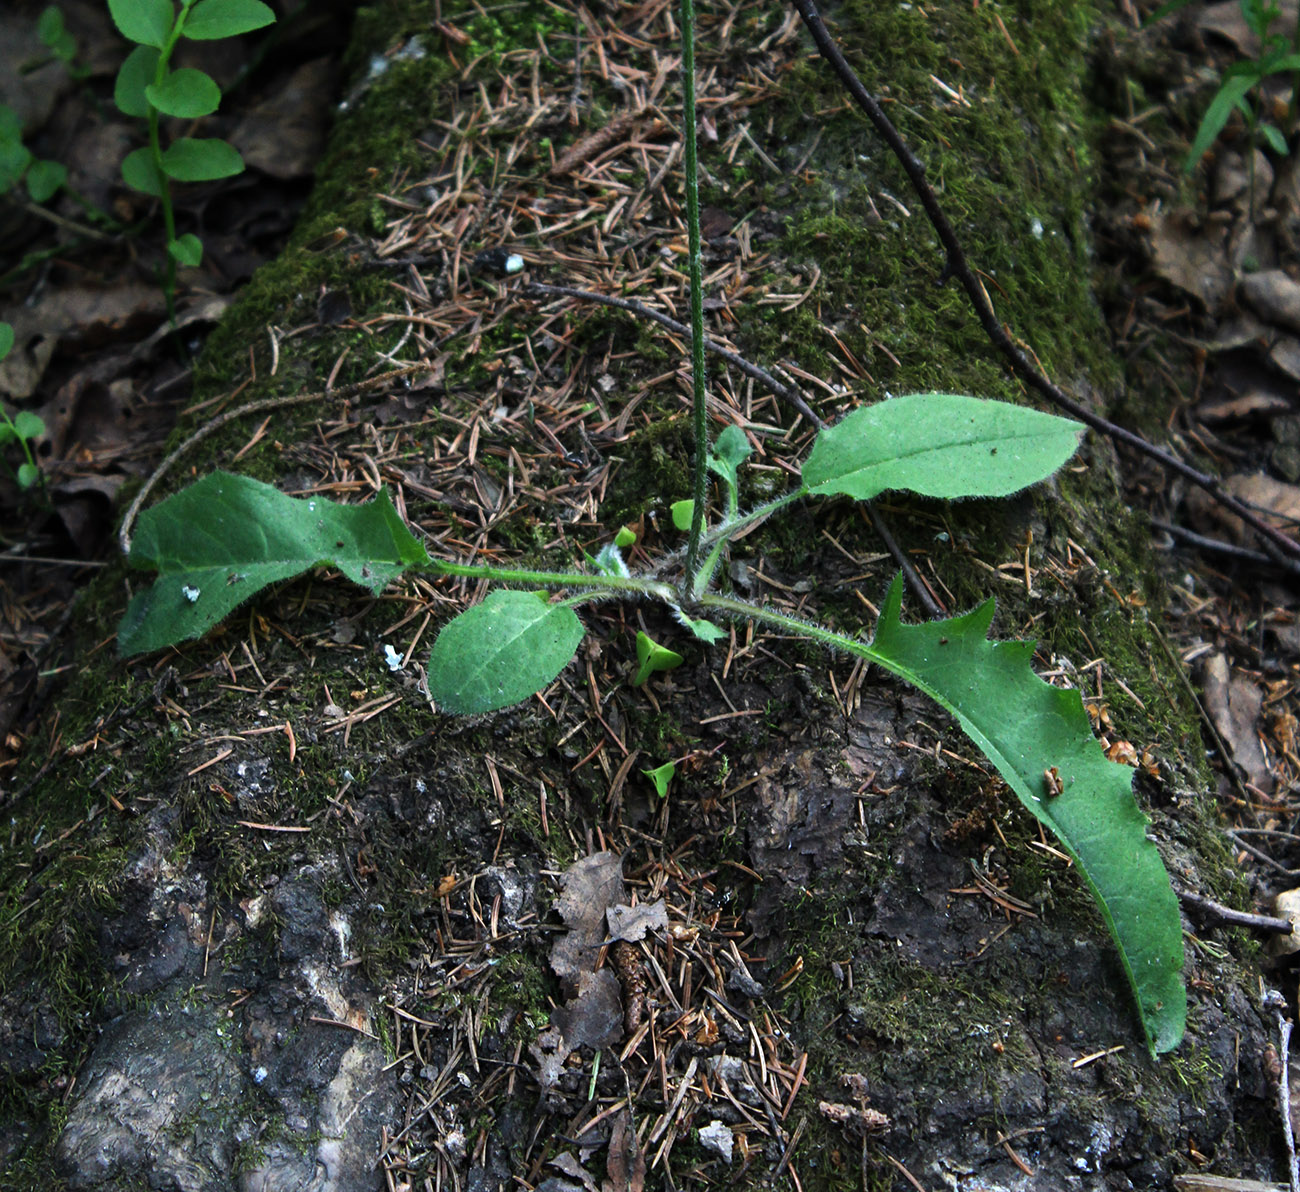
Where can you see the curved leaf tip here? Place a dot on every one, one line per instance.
(1040, 739)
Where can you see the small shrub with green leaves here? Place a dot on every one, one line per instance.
(518, 639)
(148, 87)
(23, 430)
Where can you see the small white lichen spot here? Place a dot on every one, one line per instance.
(393, 658)
(190, 594)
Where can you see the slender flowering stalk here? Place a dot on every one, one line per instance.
(699, 407)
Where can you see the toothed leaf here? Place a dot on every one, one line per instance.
(225, 538)
(1040, 739)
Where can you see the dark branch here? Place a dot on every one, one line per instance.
(1284, 550)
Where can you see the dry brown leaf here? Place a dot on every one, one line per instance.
(590, 886)
(632, 922)
(1233, 703)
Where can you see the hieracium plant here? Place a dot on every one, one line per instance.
(518, 639)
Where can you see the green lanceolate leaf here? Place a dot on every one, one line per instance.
(140, 173)
(187, 93)
(210, 20)
(1039, 738)
(1230, 94)
(146, 22)
(227, 537)
(192, 159)
(501, 651)
(133, 77)
(939, 445)
(6, 339)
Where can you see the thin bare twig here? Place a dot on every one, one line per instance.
(1284, 550)
(1277, 1003)
(213, 425)
(1225, 915)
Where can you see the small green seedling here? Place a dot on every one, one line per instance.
(1240, 88)
(661, 776)
(625, 537)
(24, 429)
(56, 38)
(652, 657)
(147, 87)
(18, 164)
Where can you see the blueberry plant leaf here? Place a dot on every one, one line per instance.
(188, 93)
(211, 20)
(502, 651)
(187, 250)
(226, 537)
(140, 172)
(939, 445)
(201, 159)
(44, 179)
(133, 77)
(146, 22)
(1040, 739)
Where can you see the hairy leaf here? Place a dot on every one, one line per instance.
(227, 537)
(187, 93)
(212, 19)
(1039, 738)
(144, 21)
(501, 651)
(939, 445)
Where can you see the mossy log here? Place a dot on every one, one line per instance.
(268, 841)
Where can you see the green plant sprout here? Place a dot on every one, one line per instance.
(661, 776)
(56, 38)
(1240, 81)
(24, 430)
(19, 165)
(147, 87)
(651, 658)
(518, 639)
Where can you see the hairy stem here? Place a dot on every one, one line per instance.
(635, 585)
(699, 405)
